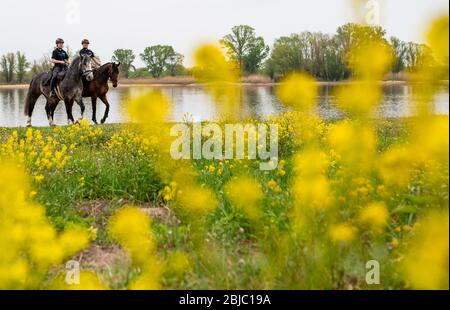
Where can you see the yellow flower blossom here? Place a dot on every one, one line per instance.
(426, 262)
(30, 245)
(299, 91)
(375, 216)
(313, 193)
(245, 193)
(131, 228)
(342, 232)
(196, 199)
(438, 39)
(219, 77)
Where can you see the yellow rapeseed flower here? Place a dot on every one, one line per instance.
(219, 77)
(311, 163)
(438, 39)
(196, 199)
(375, 216)
(131, 228)
(342, 232)
(245, 193)
(150, 109)
(299, 91)
(313, 193)
(396, 166)
(371, 60)
(30, 245)
(426, 262)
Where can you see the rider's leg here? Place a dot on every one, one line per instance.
(54, 80)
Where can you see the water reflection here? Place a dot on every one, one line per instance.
(257, 101)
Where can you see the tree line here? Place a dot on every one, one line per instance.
(326, 56)
(14, 67)
(322, 55)
(159, 60)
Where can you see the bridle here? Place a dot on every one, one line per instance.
(85, 73)
(110, 77)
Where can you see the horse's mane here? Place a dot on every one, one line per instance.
(103, 67)
(74, 64)
(75, 61)
(106, 64)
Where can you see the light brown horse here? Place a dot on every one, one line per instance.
(98, 87)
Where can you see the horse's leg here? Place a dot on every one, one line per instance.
(94, 109)
(48, 110)
(31, 102)
(82, 106)
(105, 101)
(53, 108)
(69, 107)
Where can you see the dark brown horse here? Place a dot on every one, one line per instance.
(69, 90)
(98, 87)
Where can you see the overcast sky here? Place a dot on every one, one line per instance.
(32, 26)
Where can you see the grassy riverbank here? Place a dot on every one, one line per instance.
(105, 168)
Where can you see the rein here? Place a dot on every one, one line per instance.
(83, 74)
(87, 72)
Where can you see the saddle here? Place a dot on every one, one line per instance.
(59, 77)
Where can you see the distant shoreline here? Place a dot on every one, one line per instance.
(188, 82)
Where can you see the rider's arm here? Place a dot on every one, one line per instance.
(96, 61)
(54, 61)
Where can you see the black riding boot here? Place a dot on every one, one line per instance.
(54, 80)
(53, 84)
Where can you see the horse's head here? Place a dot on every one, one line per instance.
(114, 74)
(85, 68)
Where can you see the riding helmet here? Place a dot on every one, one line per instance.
(85, 41)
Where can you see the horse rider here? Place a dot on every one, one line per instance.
(85, 51)
(60, 60)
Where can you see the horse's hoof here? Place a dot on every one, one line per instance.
(103, 121)
(95, 122)
(29, 126)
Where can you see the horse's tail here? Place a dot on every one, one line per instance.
(28, 101)
(29, 98)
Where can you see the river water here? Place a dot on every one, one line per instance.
(192, 100)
